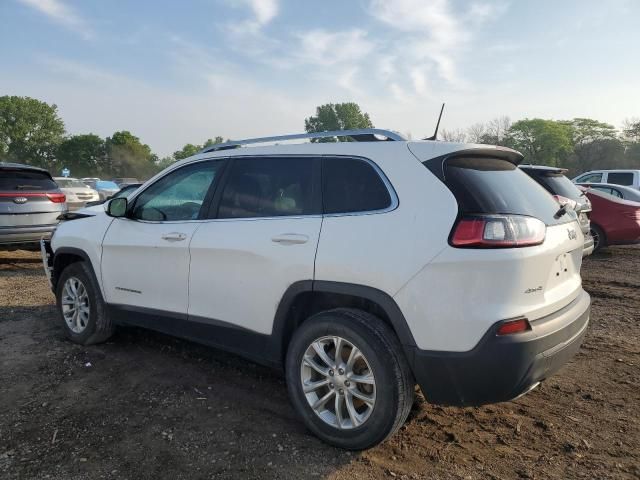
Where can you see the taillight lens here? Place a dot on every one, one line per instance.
(514, 326)
(57, 197)
(572, 204)
(498, 231)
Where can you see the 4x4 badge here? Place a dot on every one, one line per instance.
(572, 234)
(20, 200)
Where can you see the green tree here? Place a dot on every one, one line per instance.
(127, 156)
(190, 149)
(544, 142)
(337, 116)
(30, 131)
(587, 130)
(83, 155)
(631, 131)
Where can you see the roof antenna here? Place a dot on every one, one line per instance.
(435, 134)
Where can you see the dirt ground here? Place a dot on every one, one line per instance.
(147, 406)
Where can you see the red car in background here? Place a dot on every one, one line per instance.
(614, 221)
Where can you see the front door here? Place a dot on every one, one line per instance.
(145, 256)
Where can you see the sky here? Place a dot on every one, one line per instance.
(181, 72)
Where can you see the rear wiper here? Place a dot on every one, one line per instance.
(561, 211)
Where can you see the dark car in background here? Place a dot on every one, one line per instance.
(620, 191)
(30, 204)
(566, 193)
(121, 182)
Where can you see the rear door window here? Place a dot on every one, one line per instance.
(484, 185)
(620, 178)
(269, 187)
(352, 185)
(25, 180)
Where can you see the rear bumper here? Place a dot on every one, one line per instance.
(18, 236)
(501, 368)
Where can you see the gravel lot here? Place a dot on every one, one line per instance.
(145, 405)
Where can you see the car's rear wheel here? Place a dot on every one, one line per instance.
(599, 238)
(82, 310)
(348, 378)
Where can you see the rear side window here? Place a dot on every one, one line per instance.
(268, 187)
(351, 185)
(25, 180)
(493, 186)
(620, 178)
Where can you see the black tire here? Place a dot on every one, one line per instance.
(99, 326)
(394, 381)
(599, 238)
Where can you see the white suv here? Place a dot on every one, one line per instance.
(360, 268)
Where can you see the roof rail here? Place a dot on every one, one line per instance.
(359, 135)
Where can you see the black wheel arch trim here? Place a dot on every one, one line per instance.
(70, 251)
(282, 327)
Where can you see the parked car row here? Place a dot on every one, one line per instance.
(31, 202)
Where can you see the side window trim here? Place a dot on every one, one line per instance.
(205, 203)
(214, 206)
(395, 201)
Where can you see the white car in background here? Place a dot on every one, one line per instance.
(628, 178)
(78, 194)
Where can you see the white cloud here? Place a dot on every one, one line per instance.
(62, 14)
(323, 47)
(264, 10)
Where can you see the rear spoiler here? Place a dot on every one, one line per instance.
(436, 165)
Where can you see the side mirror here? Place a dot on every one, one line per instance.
(117, 207)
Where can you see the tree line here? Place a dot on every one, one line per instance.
(32, 132)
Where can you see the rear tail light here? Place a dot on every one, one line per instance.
(514, 326)
(572, 204)
(498, 231)
(57, 197)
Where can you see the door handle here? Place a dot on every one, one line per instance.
(174, 236)
(290, 239)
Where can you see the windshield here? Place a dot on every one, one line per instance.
(106, 185)
(70, 183)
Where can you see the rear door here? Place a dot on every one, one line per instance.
(145, 257)
(28, 198)
(261, 238)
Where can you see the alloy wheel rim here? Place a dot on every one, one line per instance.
(75, 305)
(338, 382)
(596, 239)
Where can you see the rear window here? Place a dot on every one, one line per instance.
(492, 186)
(70, 183)
(620, 178)
(25, 180)
(558, 184)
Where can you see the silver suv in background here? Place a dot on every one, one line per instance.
(30, 203)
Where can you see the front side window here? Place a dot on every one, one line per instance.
(268, 187)
(620, 178)
(351, 185)
(178, 196)
(591, 178)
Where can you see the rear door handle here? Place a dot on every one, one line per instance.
(174, 237)
(290, 239)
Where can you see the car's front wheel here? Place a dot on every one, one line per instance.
(348, 378)
(82, 310)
